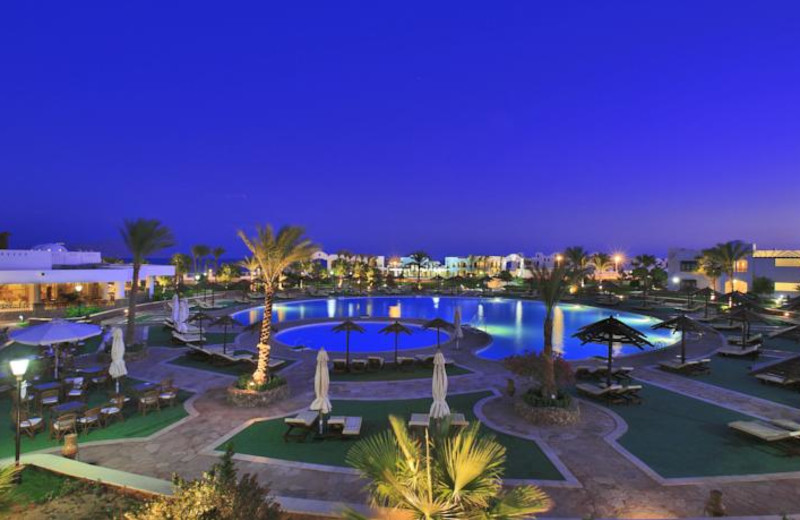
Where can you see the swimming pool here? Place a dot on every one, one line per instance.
(320, 335)
(515, 325)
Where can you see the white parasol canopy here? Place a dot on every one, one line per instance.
(439, 408)
(321, 384)
(457, 332)
(176, 308)
(183, 316)
(117, 368)
(55, 331)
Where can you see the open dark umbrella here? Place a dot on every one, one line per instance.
(395, 328)
(226, 322)
(746, 316)
(682, 324)
(792, 332)
(348, 326)
(611, 331)
(438, 324)
(739, 298)
(708, 294)
(200, 318)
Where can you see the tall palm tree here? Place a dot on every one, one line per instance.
(552, 285)
(441, 476)
(274, 253)
(395, 328)
(182, 263)
(142, 237)
(419, 259)
(217, 253)
(577, 257)
(600, 263)
(728, 254)
(252, 266)
(199, 252)
(710, 266)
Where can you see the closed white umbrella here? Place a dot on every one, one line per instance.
(55, 332)
(183, 316)
(176, 308)
(117, 368)
(439, 408)
(457, 332)
(321, 384)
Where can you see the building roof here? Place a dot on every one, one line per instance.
(776, 253)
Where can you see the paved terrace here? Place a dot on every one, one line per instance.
(603, 480)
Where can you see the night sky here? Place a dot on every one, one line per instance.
(386, 127)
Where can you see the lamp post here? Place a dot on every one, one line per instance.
(617, 260)
(18, 369)
(558, 260)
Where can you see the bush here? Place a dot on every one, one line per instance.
(80, 311)
(533, 397)
(217, 495)
(532, 365)
(245, 382)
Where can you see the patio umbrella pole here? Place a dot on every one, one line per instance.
(610, 351)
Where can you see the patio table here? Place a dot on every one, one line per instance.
(68, 407)
(143, 387)
(419, 420)
(41, 387)
(91, 370)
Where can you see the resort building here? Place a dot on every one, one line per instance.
(327, 259)
(780, 266)
(50, 276)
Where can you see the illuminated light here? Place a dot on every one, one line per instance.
(19, 366)
(435, 302)
(785, 314)
(573, 289)
(676, 280)
(21, 317)
(79, 287)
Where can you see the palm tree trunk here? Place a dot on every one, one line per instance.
(683, 347)
(347, 351)
(130, 329)
(396, 366)
(549, 376)
(261, 375)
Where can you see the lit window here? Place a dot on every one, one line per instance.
(787, 262)
(786, 286)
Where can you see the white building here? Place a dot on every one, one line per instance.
(51, 275)
(327, 259)
(781, 266)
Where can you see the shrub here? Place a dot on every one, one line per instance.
(80, 311)
(217, 495)
(245, 382)
(533, 397)
(531, 365)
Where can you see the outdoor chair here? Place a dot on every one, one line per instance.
(771, 433)
(168, 395)
(99, 379)
(610, 394)
(424, 359)
(359, 365)
(63, 425)
(187, 338)
(29, 425)
(690, 367)
(345, 427)
(304, 424)
(49, 398)
(630, 394)
(90, 419)
(756, 339)
(149, 401)
(405, 362)
(726, 327)
(339, 366)
(777, 379)
(375, 363)
(740, 352)
(113, 410)
(76, 390)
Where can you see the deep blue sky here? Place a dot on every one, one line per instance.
(386, 127)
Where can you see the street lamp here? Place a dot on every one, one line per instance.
(558, 260)
(18, 368)
(617, 260)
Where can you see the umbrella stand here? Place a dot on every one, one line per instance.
(396, 335)
(225, 339)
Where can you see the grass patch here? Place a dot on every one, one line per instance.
(678, 436)
(158, 336)
(783, 344)
(524, 457)
(390, 374)
(235, 369)
(38, 486)
(733, 374)
(135, 425)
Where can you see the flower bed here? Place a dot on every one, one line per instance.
(561, 411)
(244, 394)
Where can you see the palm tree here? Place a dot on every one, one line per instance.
(182, 263)
(642, 267)
(577, 257)
(600, 263)
(252, 266)
(198, 252)
(274, 253)
(217, 253)
(710, 266)
(395, 328)
(419, 259)
(142, 237)
(348, 326)
(552, 285)
(441, 476)
(728, 254)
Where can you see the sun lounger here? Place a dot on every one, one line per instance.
(303, 422)
(585, 371)
(457, 420)
(346, 427)
(722, 327)
(375, 362)
(766, 432)
(607, 393)
(339, 365)
(631, 394)
(358, 365)
(424, 359)
(187, 339)
(419, 420)
(405, 362)
(752, 340)
(691, 366)
(209, 306)
(739, 352)
(777, 379)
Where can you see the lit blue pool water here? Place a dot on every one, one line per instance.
(320, 335)
(515, 325)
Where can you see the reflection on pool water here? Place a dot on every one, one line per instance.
(515, 325)
(320, 335)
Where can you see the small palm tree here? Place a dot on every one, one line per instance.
(728, 254)
(182, 263)
(643, 266)
(552, 285)
(710, 266)
(600, 263)
(419, 259)
(251, 265)
(395, 328)
(441, 476)
(142, 238)
(274, 253)
(217, 253)
(199, 252)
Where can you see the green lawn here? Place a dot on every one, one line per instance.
(783, 344)
(390, 374)
(38, 486)
(158, 336)
(135, 425)
(733, 374)
(524, 457)
(678, 436)
(235, 369)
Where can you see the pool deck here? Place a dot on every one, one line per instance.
(603, 480)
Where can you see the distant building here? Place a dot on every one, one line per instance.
(51, 275)
(779, 265)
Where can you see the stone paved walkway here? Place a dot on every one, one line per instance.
(610, 483)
